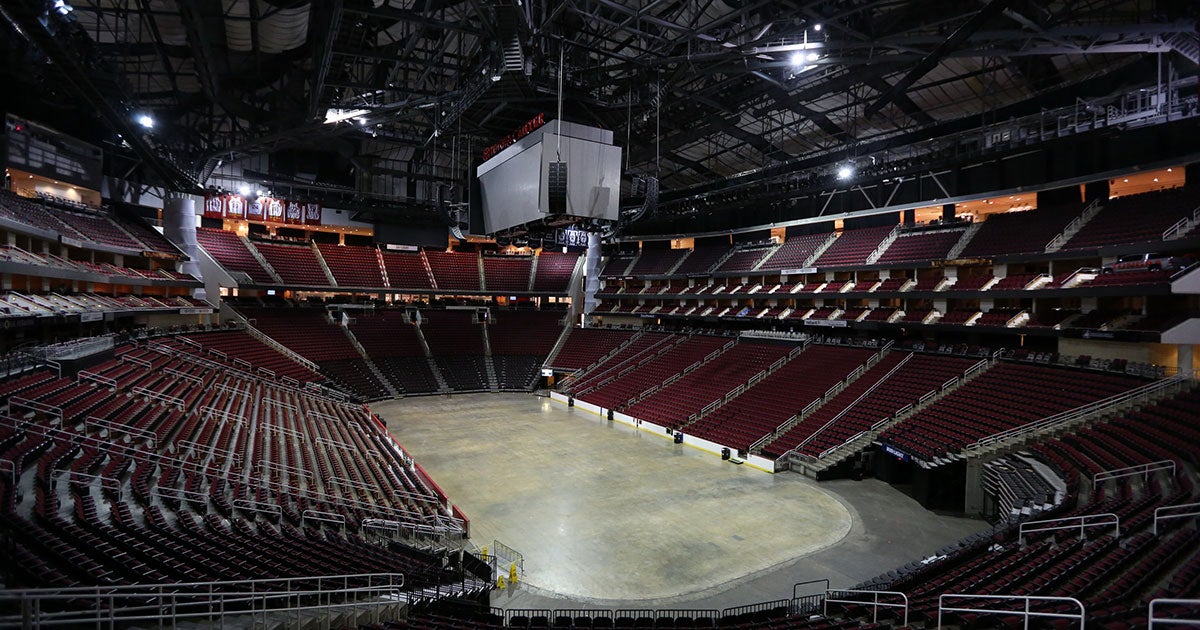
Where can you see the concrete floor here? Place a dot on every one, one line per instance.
(612, 516)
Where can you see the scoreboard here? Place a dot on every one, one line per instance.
(39, 150)
(554, 170)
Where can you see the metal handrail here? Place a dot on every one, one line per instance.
(1128, 471)
(1084, 521)
(1026, 613)
(1153, 618)
(1194, 507)
(875, 603)
(161, 606)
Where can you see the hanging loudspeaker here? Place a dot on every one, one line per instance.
(557, 187)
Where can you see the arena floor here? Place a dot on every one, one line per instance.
(608, 515)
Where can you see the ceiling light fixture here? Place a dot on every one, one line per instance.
(146, 121)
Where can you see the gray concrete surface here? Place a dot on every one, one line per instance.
(610, 516)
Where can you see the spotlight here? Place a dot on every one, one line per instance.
(244, 189)
(813, 56)
(817, 27)
(845, 172)
(797, 59)
(495, 77)
(62, 7)
(146, 121)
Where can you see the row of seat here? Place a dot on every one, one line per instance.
(362, 267)
(1132, 219)
(81, 223)
(185, 491)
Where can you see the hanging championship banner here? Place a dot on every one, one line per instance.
(213, 207)
(274, 209)
(261, 209)
(255, 210)
(292, 212)
(312, 214)
(235, 207)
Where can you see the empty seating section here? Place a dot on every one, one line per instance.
(229, 250)
(959, 316)
(743, 259)
(1114, 578)
(295, 264)
(1127, 278)
(616, 394)
(14, 304)
(972, 282)
(853, 246)
(1014, 282)
(352, 265)
(457, 347)
(396, 350)
(616, 266)
(701, 260)
(189, 505)
(554, 271)
(998, 316)
(100, 229)
(524, 331)
(520, 341)
(463, 373)
(876, 395)
(794, 253)
(241, 345)
(150, 238)
(1004, 397)
(452, 332)
(920, 246)
(781, 395)
(657, 261)
(673, 404)
(1135, 219)
(309, 333)
(641, 348)
(406, 270)
(516, 372)
(891, 284)
(454, 271)
(32, 213)
(1019, 232)
(507, 274)
(585, 346)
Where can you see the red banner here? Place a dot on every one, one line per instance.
(312, 214)
(293, 213)
(213, 207)
(255, 210)
(262, 209)
(274, 209)
(235, 207)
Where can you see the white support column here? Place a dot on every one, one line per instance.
(179, 226)
(1184, 358)
(591, 273)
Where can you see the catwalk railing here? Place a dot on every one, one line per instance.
(167, 605)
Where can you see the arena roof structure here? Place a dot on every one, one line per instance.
(388, 104)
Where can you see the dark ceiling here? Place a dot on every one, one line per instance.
(695, 91)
